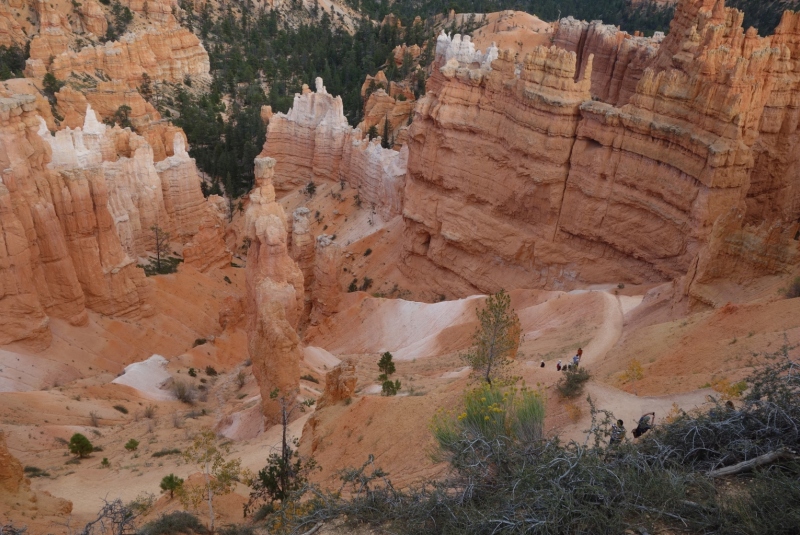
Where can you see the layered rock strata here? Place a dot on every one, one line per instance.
(619, 59)
(314, 142)
(326, 290)
(76, 210)
(517, 177)
(275, 294)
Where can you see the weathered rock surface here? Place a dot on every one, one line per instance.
(275, 294)
(314, 142)
(76, 211)
(340, 384)
(17, 499)
(302, 252)
(684, 160)
(326, 290)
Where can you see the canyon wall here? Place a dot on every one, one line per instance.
(314, 142)
(612, 158)
(76, 213)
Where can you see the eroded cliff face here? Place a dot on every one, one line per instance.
(275, 294)
(77, 208)
(314, 142)
(681, 162)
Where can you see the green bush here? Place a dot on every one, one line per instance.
(165, 452)
(132, 444)
(33, 471)
(171, 483)
(199, 342)
(571, 384)
(79, 445)
(121, 408)
(310, 378)
(174, 523)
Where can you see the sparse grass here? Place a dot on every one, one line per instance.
(121, 408)
(184, 391)
(95, 419)
(150, 411)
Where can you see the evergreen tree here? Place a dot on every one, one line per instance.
(496, 340)
(79, 445)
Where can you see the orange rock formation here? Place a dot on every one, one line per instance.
(275, 294)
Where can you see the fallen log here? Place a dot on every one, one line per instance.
(755, 462)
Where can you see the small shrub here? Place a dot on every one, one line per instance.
(263, 512)
(132, 444)
(184, 392)
(366, 284)
(210, 371)
(104, 463)
(241, 379)
(121, 408)
(311, 189)
(390, 388)
(368, 252)
(192, 372)
(571, 384)
(199, 342)
(173, 523)
(150, 411)
(227, 279)
(79, 445)
(33, 471)
(310, 378)
(165, 452)
(95, 418)
(793, 290)
(353, 286)
(236, 530)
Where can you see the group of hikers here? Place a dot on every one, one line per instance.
(575, 361)
(618, 430)
(644, 425)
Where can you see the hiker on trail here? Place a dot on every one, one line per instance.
(617, 433)
(576, 360)
(580, 353)
(558, 366)
(644, 424)
(542, 365)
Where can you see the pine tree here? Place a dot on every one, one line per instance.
(161, 243)
(171, 483)
(496, 339)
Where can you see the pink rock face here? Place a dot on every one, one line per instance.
(340, 384)
(76, 210)
(314, 142)
(302, 252)
(326, 290)
(523, 180)
(275, 294)
(168, 53)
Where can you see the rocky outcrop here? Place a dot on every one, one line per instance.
(387, 113)
(618, 61)
(489, 156)
(76, 210)
(326, 290)
(105, 99)
(340, 384)
(17, 499)
(314, 142)
(675, 159)
(165, 53)
(275, 294)
(302, 252)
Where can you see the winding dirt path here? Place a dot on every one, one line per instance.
(625, 406)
